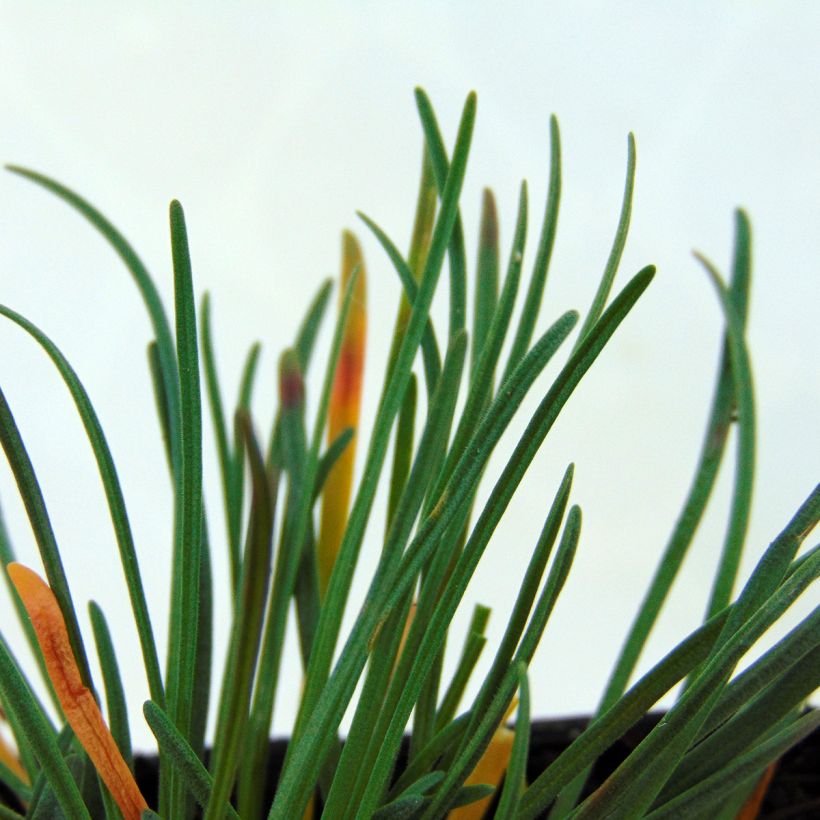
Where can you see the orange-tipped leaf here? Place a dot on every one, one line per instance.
(343, 413)
(78, 703)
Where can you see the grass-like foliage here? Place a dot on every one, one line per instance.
(295, 523)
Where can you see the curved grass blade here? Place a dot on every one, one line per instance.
(247, 629)
(173, 745)
(343, 412)
(185, 582)
(114, 498)
(720, 421)
(478, 398)
(744, 471)
(112, 682)
(439, 413)
(441, 173)
(9, 814)
(547, 408)
(309, 329)
(392, 632)
(142, 278)
(605, 285)
(78, 703)
(538, 280)
(711, 455)
(37, 513)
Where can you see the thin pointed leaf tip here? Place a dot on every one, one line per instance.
(78, 703)
(343, 412)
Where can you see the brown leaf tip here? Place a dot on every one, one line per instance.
(489, 220)
(291, 384)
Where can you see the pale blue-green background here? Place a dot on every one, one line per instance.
(273, 122)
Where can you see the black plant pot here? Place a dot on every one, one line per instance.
(793, 794)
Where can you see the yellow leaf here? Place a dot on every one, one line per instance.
(345, 400)
(490, 769)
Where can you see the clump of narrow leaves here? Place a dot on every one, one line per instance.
(295, 522)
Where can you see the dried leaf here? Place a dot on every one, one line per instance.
(78, 703)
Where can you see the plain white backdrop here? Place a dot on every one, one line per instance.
(273, 123)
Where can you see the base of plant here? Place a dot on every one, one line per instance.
(793, 793)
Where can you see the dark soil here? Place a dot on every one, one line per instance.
(794, 793)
